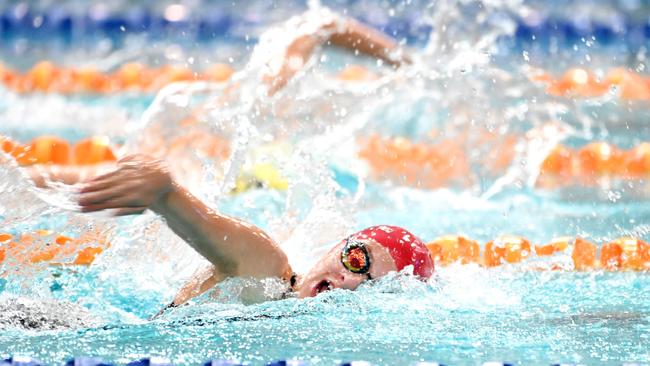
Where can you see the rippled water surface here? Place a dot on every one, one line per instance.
(460, 87)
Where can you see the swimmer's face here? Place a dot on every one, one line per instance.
(329, 273)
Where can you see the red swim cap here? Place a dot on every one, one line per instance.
(405, 248)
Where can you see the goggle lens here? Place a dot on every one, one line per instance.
(355, 257)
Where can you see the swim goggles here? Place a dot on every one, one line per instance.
(355, 257)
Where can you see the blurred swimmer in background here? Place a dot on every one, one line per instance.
(279, 55)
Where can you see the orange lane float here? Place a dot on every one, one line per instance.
(45, 246)
(45, 76)
(566, 166)
(416, 164)
(453, 248)
(511, 249)
(630, 253)
(48, 149)
(637, 161)
(577, 82)
(584, 254)
(54, 150)
(599, 158)
(622, 254)
(582, 83)
(428, 165)
(555, 246)
(22, 153)
(92, 150)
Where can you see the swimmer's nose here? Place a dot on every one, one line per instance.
(350, 282)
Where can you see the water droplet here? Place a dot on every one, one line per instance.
(613, 196)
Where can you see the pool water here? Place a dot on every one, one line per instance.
(466, 314)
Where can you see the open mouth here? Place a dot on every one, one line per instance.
(323, 286)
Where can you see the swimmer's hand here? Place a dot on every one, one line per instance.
(138, 183)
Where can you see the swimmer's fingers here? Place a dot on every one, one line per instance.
(125, 202)
(130, 211)
(102, 195)
(101, 182)
(138, 158)
(123, 195)
(96, 186)
(121, 177)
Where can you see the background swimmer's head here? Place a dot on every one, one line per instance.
(390, 248)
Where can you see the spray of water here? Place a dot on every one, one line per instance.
(450, 82)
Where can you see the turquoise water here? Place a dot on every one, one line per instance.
(463, 315)
(467, 315)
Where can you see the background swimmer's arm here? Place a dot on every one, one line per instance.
(233, 246)
(356, 36)
(295, 57)
(346, 33)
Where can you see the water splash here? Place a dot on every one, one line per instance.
(448, 92)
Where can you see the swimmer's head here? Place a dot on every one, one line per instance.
(368, 254)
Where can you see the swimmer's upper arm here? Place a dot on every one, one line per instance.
(235, 247)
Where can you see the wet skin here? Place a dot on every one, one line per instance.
(329, 273)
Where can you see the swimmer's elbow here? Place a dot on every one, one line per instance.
(268, 261)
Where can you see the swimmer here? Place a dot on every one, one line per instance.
(140, 183)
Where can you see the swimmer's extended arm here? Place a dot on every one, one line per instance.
(342, 32)
(233, 246)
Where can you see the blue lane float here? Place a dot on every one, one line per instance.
(223, 363)
(87, 361)
(21, 361)
(155, 361)
(25, 20)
